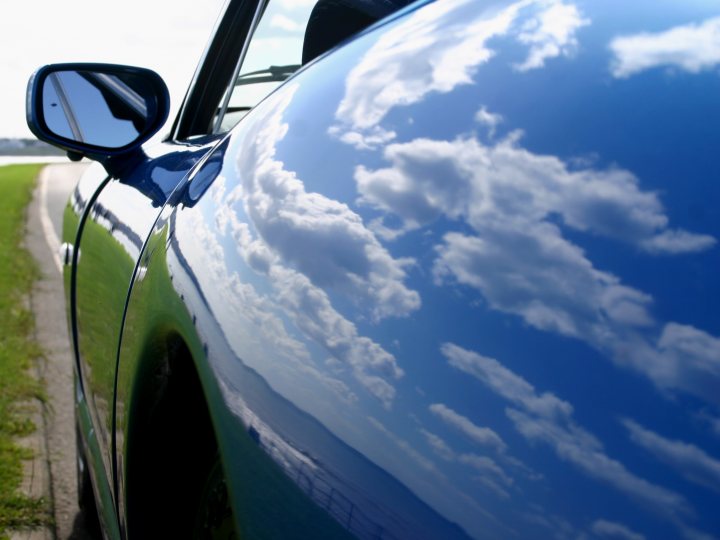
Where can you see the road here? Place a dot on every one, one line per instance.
(44, 226)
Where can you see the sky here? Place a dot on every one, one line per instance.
(168, 36)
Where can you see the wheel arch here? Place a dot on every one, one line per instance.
(169, 441)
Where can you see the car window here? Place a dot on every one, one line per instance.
(288, 34)
(273, 54)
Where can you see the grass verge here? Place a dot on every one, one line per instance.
(18, 350)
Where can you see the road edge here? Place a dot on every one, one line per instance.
(36, 482)
(56, 427)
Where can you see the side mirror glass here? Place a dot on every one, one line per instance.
(96, 108)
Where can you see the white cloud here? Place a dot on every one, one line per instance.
(307, 245)
(508, 185)
(438, 445)
(692, 346)
(491, 120)
(283, 22)
(313, 313)
(546, 418)
(487, 466)
(713, 422)
(240, 298)
(423, 54)
(371, 139)
(529, 473)
(518, 206)
(322, 238)
(506, 383)
(578, 447)
(440, 47)
(252, 322)
(551, 34)
(536, 274)
(691, 47)
(489, 474)
(672, 242)
(560, 528)
(406, 447)
(689, 460)
(611, 529)
(689, 359)
(436, 487)
(254, 252)
(482, 436)
(492, 486)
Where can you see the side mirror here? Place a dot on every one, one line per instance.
(97, 110)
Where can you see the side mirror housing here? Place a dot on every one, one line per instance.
(102, 111)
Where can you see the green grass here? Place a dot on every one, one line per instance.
(99, 322)
(18, 349)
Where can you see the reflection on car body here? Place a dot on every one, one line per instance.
(453, 279)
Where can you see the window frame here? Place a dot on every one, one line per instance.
(215, 70)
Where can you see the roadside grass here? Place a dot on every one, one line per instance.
(18, 350)
(100, 322)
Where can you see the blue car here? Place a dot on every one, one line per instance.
(401, 271)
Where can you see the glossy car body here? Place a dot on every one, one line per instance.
(456, 278)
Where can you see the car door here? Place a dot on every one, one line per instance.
(270, 56)
(108, 220)
(111, 238)
(113, 211)
(426, 314)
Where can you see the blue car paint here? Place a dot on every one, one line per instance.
(98, 199)
(483, 305)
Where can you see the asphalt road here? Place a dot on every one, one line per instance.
(44, 230)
